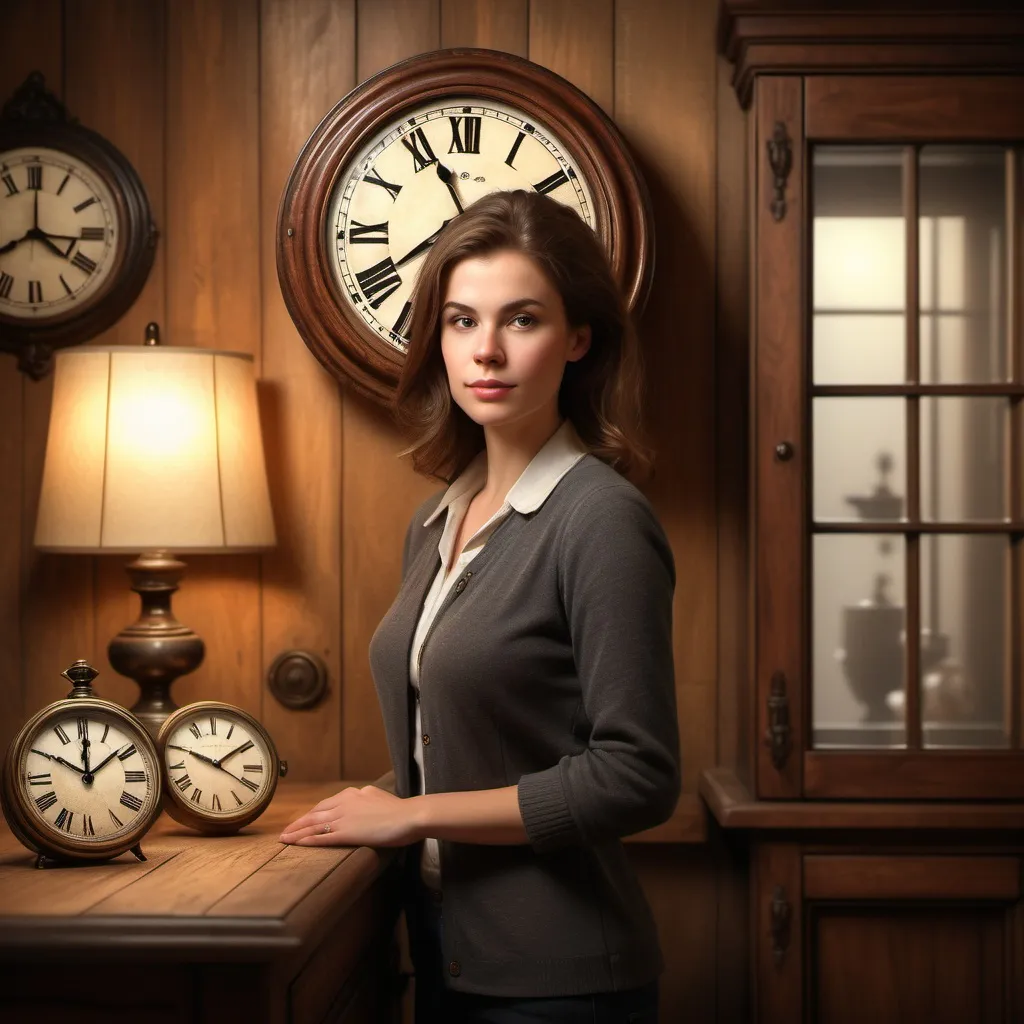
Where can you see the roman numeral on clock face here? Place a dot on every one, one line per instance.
(379, 281)
(93, 234)
(63, 819)
(375, 179)
(215, 803)
(184, 782)
(196, 794)
(134, 776)
(61, 734)
(83, 263)
(367, 234)
(6, 284)
(46, 801)
(126, 753)
(83, 728)
(87, 829)
(213, 726)
(173, 767)
(12, 189)
(35, 291)
(194, 729)
(403, 319)
(131, 801)
(246, 746)
(85, 203)
(252, 768)
(552, 182)
(115, 819)
(465, 134)
(249, 784)
(510, 159)
(35, 177)
(43, 779)
(422, 154)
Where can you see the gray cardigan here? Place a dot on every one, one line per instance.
(549, 667)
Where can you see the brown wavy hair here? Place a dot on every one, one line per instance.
(600, 393)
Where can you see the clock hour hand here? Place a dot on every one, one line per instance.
(59, 760)
(41, 236)
(14, 243)
(418, 251)
(447, 176)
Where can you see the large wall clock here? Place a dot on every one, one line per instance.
(77, 239)
(407, 151)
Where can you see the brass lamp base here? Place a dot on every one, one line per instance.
(156, 649)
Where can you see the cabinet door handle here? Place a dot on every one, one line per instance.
(781, 915)
(778, 735)
(780, 159)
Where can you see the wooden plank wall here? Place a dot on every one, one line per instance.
(211, 101)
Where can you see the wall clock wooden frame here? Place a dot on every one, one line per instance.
(325, 319)
(35, 117)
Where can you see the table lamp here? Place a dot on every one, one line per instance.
(152, 449)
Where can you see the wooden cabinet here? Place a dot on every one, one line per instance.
(877, 782)
(207, 929)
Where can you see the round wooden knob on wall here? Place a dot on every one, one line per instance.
(298, 679)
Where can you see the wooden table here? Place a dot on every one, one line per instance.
(211, 930)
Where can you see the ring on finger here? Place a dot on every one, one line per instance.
(325, 828)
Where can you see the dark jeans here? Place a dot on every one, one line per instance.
(437, 1004)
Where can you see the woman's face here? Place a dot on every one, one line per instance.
(505, 342)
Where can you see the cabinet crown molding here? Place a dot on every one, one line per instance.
(878, 36)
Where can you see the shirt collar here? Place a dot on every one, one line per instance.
(557, 456)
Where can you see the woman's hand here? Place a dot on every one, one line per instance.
(357, 817)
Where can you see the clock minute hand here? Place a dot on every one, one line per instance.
(110, 757)
(36, 235)
(411, 255)
(209, 760)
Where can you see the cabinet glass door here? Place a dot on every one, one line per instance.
(915, 388)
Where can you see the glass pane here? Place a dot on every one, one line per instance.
(859, 458)
(963, 458)
(858, 654)
(962, 197)
(859, 265)
(964, 610)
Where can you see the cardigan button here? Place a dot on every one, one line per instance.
(426, 740)
(460, 586)
(455, 968)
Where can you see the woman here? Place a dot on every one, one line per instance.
(525, 669)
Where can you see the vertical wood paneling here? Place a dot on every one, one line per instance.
(379, 491)
(31, 42)
(576, 39)
(665, 87)
(132, 119)
(731, 419)
(307, 63)
(57, 595)
(213, 289)
(494, 24)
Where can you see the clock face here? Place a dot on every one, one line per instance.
(87, 778)
(217, 763)
(58, 234)
(392, 201)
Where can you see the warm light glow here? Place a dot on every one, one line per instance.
(154, 447)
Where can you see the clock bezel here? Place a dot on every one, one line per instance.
(326, 320)
(184, 811)
(22, 820)
(33, 341)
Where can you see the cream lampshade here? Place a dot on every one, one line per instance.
(154, 449)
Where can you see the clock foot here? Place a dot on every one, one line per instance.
(42, 861)
(137, 850)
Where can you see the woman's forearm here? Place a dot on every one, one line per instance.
(489, 816)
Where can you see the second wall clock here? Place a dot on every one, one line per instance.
(406, 152)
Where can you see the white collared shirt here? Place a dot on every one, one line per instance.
(558, 455)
